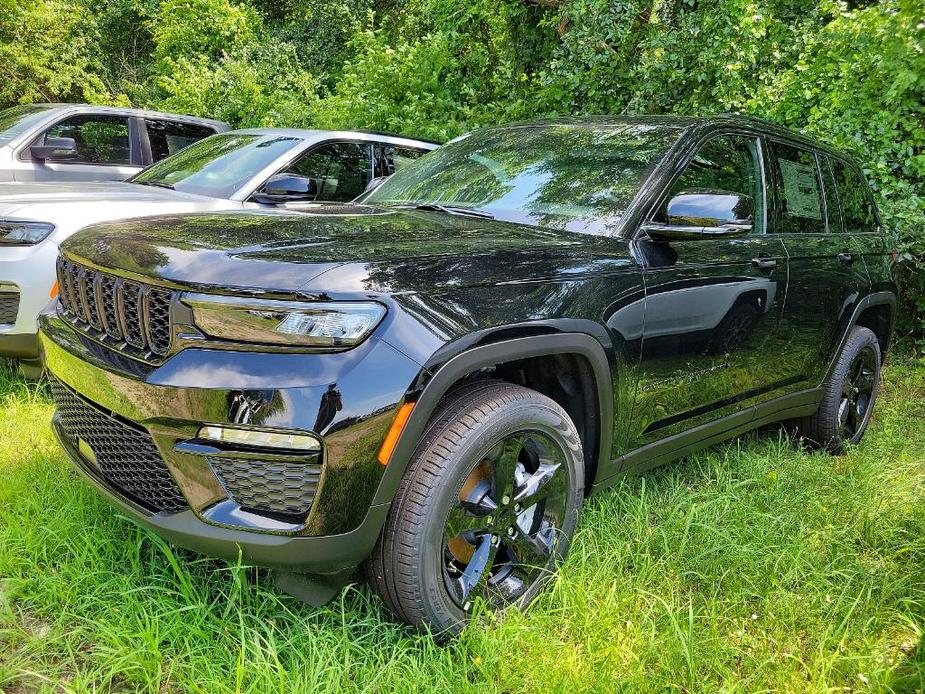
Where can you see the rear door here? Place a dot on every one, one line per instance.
(712, 307)
(827, 275)
(861, 223)
(108, 149)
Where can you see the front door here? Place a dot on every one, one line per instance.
(105, 151)
(712, 308)
(827, 271)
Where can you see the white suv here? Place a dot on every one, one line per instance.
(264, 168)
(78, 142)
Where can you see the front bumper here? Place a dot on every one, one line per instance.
(29, 272)
(168, 404)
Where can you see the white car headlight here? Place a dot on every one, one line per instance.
(22, 233)
(331, 324)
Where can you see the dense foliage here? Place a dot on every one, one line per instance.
(850, 73)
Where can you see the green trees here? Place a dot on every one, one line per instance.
(851, 73)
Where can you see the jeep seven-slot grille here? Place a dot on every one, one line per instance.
(125, 455)
(133, 317)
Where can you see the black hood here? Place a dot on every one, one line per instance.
(342, 249)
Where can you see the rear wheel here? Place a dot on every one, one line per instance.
(850, 393)
(486, 509)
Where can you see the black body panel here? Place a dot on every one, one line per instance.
(657, 346)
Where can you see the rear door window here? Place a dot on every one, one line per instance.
(394, 158)
(168, 137)
(99, 139)
(854, 194)
(796, 191)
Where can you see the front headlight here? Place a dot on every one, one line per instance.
(21, 233)
(285, 323)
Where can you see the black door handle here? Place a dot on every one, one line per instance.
(763, 263)
(845, 257)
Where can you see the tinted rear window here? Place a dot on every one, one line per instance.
(169, 138)
(854, 194)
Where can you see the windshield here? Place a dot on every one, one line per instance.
(571, 177)
(218, 166)
(17, 120)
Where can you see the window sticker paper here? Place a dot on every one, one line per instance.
(801, 189)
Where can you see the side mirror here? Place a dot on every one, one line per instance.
(54, 149)
(698, 214)
(287, 188)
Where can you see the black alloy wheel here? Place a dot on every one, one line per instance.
(849, 394)
(486, 509)
(854, 409)
(500, 536)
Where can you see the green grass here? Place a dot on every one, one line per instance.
(749, 567)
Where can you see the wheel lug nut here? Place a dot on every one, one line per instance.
(495, 539)
(467, 606)
(516, 508)
(505, 499)
(511, 531)
(490, 520)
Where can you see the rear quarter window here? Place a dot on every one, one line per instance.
(857, 203)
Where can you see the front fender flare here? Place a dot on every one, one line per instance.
(476, 358)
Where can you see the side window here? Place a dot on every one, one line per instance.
(856, 203)
(168, 138)
(832, 208)
(394, 158)
(99, 139)
(728, 163)
(796, 194)
(340, 170)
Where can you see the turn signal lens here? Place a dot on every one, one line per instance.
(398, 425)
(260, 439)
(54, 290)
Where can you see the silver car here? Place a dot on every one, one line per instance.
(79, 142)
(264, 168)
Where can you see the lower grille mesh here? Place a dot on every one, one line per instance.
(264, 486)
(9, 307)
(126, 456)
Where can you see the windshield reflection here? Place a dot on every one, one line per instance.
(571, 177)
(218, 166)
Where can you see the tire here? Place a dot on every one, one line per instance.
(849, 397)
(428, 573)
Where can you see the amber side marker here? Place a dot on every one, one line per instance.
(54, 290)
(398, 425)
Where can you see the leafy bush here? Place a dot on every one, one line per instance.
(850, 74)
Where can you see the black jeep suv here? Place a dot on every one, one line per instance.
(430, 383)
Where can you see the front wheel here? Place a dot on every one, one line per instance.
(487, 507)
(850, 392)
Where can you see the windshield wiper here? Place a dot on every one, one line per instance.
(447, 209)
(157, 184)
